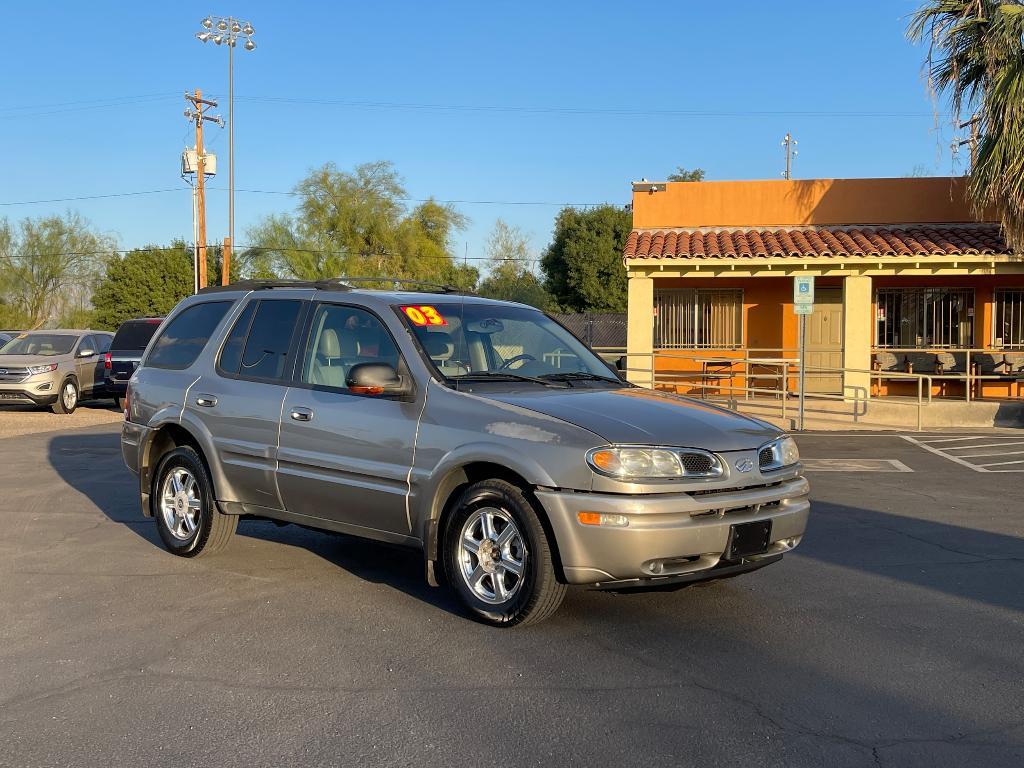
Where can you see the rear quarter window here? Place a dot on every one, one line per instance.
(183, 339)
(134, 335)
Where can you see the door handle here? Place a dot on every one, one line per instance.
(206, 401)
(302, 414)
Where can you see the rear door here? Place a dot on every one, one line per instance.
(346, 457)
(240, 404)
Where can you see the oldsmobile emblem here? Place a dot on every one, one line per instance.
(744, 465)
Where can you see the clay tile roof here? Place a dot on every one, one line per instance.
(810, 242)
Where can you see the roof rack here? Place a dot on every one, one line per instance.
(331, 283)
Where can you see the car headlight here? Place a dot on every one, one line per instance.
(34, 369)
(642, 462)
(778, 454)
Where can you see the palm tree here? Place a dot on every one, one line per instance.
(976, 57)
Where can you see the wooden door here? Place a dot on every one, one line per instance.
(825, 341)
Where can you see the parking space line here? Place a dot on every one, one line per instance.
(991, 450)
(953, 439)
(975, 446)
(1002, 463)
(989, 455)
(943, 454)
(854, 465)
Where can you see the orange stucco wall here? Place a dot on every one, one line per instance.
(806, 202)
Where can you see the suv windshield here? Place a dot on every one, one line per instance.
(42, 344)
(498, 342)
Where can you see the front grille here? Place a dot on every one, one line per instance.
(13, 374)
(698, 463)
(766, 457)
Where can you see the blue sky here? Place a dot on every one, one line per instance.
(589, 96)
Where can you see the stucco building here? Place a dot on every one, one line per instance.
(908, 278)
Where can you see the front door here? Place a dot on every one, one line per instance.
(85, 367)
(825, 342)
(346, 457)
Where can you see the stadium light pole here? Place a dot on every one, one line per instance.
(227, 30)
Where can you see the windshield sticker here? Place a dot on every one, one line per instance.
(424, 315)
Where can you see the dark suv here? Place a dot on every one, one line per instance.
(126, 350)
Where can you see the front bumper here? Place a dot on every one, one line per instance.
(27, 394)
(669, 535)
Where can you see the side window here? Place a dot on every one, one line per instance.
(103, 343)
(267, 349)
(185, 336)
(231, 354)
(341, 337)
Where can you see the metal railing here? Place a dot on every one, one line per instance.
(970, 374)
(724, 379)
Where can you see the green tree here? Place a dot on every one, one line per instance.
(976, 58)
(48, 267)
(685, 174)
(357, 224)
(582, 266)
(510, 269)
(145, 282)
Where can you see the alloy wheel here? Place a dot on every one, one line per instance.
(492, 555)
(180, 504)
(69, 396)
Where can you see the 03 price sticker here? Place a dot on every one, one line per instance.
(424, 314)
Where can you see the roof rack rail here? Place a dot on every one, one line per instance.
(260, 285)
(332, 284)
(397, 282)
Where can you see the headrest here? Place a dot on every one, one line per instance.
(438, 343)
(328, 345)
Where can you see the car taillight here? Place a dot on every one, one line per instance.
(106, 361)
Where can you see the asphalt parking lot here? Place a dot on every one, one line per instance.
(891, 637)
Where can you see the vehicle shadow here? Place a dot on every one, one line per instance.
(90, 462)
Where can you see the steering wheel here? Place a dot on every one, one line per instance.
(523, 358)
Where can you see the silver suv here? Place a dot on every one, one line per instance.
(480, 432)
(54, 368)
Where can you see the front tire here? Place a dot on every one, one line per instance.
(498, 557)
(67, 398)
(183, 505)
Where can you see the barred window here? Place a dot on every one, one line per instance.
(698, 319)
(1008, 323)
(922, 318)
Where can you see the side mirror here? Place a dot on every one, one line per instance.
(621, 364)
(376, 379)
(86, 352)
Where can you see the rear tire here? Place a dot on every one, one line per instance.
(184, 508)
(67, 397)
(498, 558)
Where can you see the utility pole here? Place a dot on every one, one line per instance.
(198, 114)
(974, 123)
(789, 145)
(225, 267)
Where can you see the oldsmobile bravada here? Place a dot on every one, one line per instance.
(481, 432)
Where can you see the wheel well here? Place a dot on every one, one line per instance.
(167, 438)
(459, 479)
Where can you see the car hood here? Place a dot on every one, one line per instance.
(23, 361)
(644, 417)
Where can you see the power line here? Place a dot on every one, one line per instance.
(279, 249)
(293, 194)
(35, 110)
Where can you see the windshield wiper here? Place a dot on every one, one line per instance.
(579, 376)
(501, 376)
